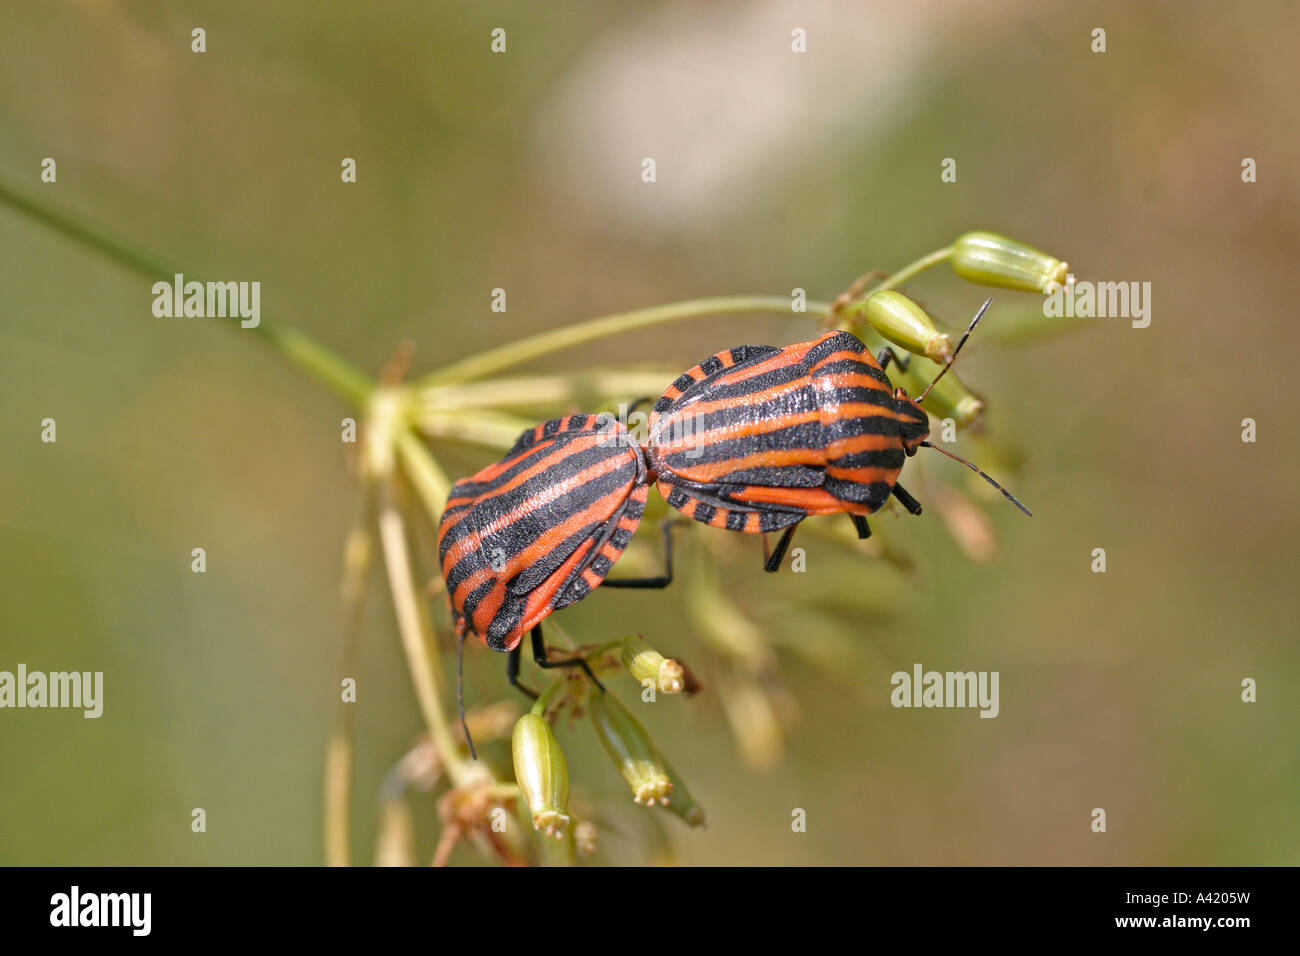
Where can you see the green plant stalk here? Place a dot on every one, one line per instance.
(902, 276)
(544, 698)
(423, 471)
(911, 271)
(535, 346)
(297, 348)
(490, 428)
(531, 391)
(417, 641)
(339, 762)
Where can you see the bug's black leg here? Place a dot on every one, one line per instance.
(908, 502)
(643, 400)
(863, 529)
(773, 562)
(512, 672)
(542, 661)
(888, 355)
(663, 580)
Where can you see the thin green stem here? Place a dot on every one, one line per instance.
(339, 760)
(600, 649)
(417, 639)
(544, 698)
(911, 271)
(300, 350)
(425, 474)
(901, 277)
(534, 390)
(488, 428)
(535, 346)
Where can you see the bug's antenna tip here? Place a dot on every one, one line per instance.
(979, 471)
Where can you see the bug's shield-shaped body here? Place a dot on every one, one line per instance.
(757, 437)
(540, 528)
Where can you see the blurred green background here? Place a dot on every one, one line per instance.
(775, 170)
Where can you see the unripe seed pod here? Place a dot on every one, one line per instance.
(631, 750)
(903, 322)
(990, 259)
(644, 663)
(680, 802)
(542, 774)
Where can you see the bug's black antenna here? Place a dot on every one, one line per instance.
(460, 694)
(965, 335)
(1008, 495)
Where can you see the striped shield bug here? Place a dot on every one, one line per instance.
(757, 438)
(539, 529)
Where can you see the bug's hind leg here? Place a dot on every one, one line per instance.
(544, 662)
(773, 562)
(663, 580)
(907, 501)
(512, 672)
(861, 526)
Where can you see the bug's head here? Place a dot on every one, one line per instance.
(914, 424)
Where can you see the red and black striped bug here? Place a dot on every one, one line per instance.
(757, 438)
(539, 530)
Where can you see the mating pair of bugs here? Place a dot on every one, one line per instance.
(753, 439)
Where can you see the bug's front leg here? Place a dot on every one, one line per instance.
(512, 671)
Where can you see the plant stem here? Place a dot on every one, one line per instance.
(297, 348)
(544, 698)
(425, 474)
(357, 555)
(488, 428)
(909, 272)
(417, 639)
(534, 390)
(535, 346)
(902, 276)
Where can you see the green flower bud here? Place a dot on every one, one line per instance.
(631, 750)
(644, 663)
(905, 323)
(541, 773)
(989, 259)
